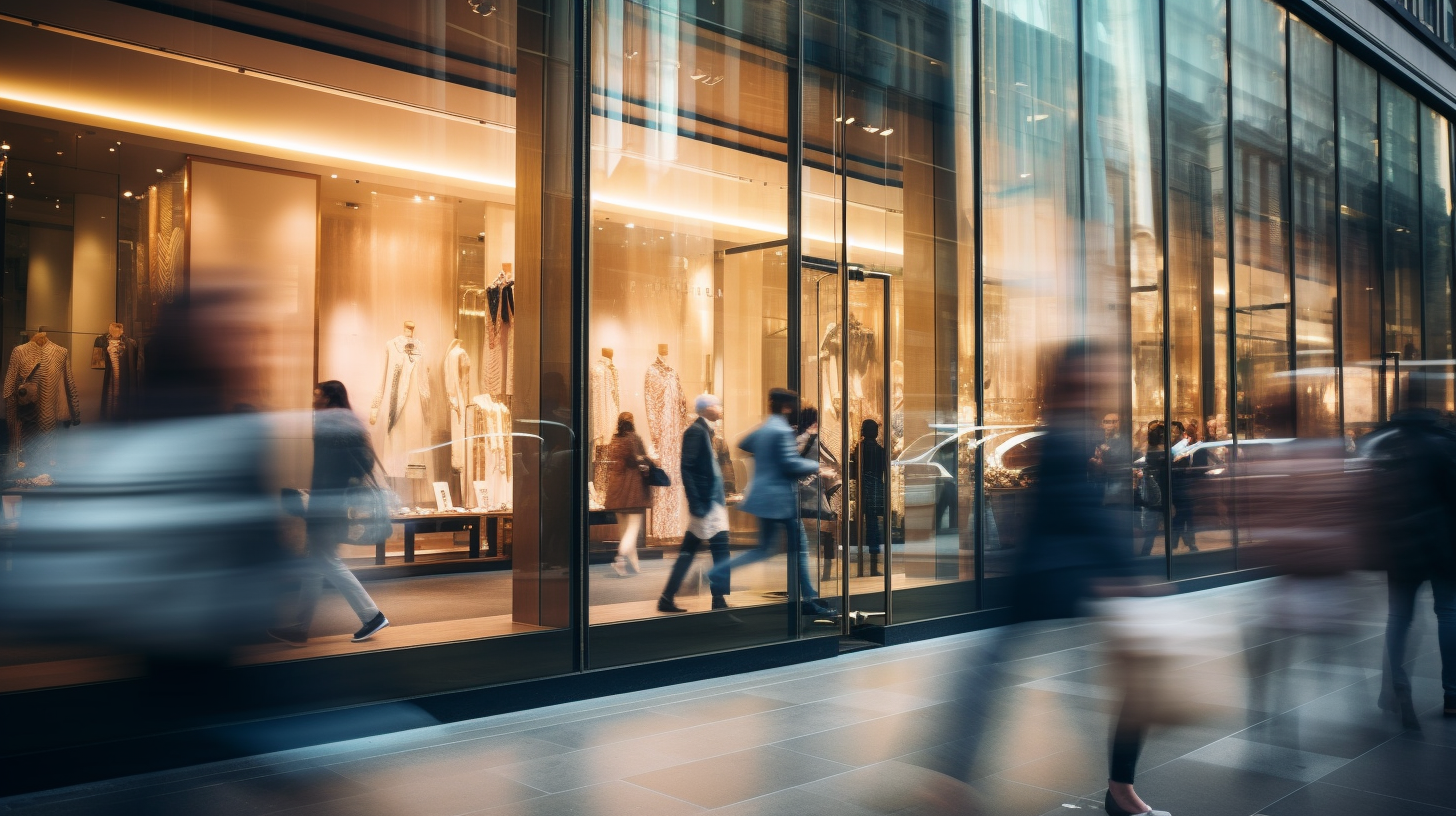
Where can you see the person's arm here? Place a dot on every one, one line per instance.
(696, 450)
(794, 464)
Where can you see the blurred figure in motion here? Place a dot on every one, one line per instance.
(702, 478)
(819, 492)
(867, 463)
(160, 539)
(627, 490)
(773, 496)
(343, 459)
(1111, 462)
(1151, 488)
(1415, 460)
(1075, 551)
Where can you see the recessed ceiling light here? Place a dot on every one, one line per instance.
(159, 169)
(4, 145)
(10, 197)
(630, 225)
(110, 150)
(126, 194)
(887, 131)
(60, 152)
(417, 198)
(333, 175)
(432, 198)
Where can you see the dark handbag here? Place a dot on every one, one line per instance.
(657, 477)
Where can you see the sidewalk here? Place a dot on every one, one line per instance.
(861, 734)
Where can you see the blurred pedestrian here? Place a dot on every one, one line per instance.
(1415, 459)
(627, 490)
(1074, 552)
(867, 463)
(1111, 462)
(773, 496)
(1152, 488)
(343, 464)
(702, 479)
(819, 493)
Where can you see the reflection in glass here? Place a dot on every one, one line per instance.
(1436, 232)
(1198, 278)
(1400, 167)
(1122, 201)
(1312, 152)
(1030, 251)
(1360, 264)
(1261, 250)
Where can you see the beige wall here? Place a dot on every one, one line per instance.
(93, 292)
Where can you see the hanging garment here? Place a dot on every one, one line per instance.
(49, 368)
(667, 418)
(491, 450)
(500, 308)
(117, 359)
(457, 391)
(606, 401)
(400, 405)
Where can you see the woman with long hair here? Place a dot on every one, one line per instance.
(343, 458)
(627, 491)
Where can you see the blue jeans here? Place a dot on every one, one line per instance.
(1403, 593)
(794, 532)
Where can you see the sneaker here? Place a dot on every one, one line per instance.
(371, 628)
(292, 635)
(1449, 710)
(720, 602)
(665, 604)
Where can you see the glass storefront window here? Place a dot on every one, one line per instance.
(1400, 194)
(1361, 281)
(1436, 240)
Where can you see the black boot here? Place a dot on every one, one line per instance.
(874, 564)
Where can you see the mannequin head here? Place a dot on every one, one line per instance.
(115, 330)
(40, 338)
(661, 349)
(409, 328)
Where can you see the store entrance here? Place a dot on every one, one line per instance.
(846, 515)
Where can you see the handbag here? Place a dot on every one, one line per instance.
(27, 394)
(367, 509)
(1149, 492)
(657, 477)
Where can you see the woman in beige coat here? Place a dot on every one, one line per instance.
(627, 491)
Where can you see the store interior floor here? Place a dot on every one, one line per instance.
(867, 732)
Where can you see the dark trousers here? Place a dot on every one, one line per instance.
(1403, 593)
(717, 545)
(1127, 744)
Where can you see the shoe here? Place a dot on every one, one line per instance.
(818, 610)
(1113, 809)
(292, 635)
(619, 566)
(720, 602)
(1449, 710)
(875, 565)
(665, 604)
(371, 628)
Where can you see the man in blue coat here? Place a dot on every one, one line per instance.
(707, 506)
(773, 494)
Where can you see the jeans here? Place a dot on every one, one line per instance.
(717, 545)
(324, 565)
(794, 532)
(874, 535)
(1403, 593)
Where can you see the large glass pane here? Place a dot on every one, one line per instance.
(1361, 281)
(1436, 232)
(424, 262)
(1261, 246)
(1312, 152)
(689, 297)
(1400, 169)
(1122, 201)
(1198, 275)
(1032, 291)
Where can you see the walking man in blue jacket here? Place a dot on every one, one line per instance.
(773, 495)
(707, 506)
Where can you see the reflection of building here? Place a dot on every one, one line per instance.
(898, 208)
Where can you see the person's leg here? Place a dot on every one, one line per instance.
(1127, 744)
(1444, 590)
(797, 543)
(1402, 602)
(723, 572)
(334, 571)
(874, 541)
(310, 586)
(627, 548)
(718, 546)
(685, 555)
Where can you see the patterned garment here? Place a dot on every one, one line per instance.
(457, 391)
(57, 400)
(667, 418)
(500, 302)
(606, 401)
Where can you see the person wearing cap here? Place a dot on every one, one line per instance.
(702, 480)
(773, 496)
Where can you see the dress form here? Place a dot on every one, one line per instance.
(400, 405)
(667, 418)
(43, 368)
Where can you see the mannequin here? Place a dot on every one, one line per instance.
(404, 394)
(667, 418)
(116, 355)
(457, 391)
(605, 404)
(39, 393)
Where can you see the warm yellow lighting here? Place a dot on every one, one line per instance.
(126, 194)
(887, 131)
(333, 175)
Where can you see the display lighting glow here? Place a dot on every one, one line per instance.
(254, 140)
(126, 194)
(333, 175)
(887, 131)
(4, 145)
